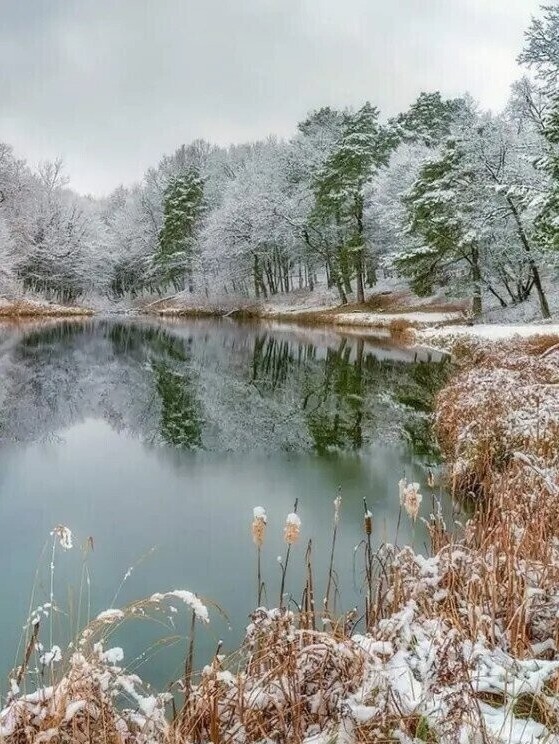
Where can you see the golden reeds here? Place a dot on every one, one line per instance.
(337, 507)
(258, 529)
(291, 533)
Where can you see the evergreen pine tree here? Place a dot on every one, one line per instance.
(182, 206)
(364, 146)
(429, 119)
(440, 210)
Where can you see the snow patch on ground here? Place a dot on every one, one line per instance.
(494, 332)
(382, 320)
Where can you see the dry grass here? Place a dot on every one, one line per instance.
(504, 400)
(241, 307)
(200, 307)
(32, 309)
(46, 718)
(401, 331)
(292, 680)
(402, 301)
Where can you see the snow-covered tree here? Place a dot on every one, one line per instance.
(363, 147)
(504, 157)
(441, 206)
(182, 206)
(541, 54)
(429, 119)
(385, 211)
(8, 260)
(541, 51)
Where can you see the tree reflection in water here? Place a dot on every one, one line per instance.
(215, 385)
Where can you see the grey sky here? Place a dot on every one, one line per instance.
(110, 85)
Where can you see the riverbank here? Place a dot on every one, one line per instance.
(399, 314)
(457, 645)
(27, 308)
(395, 311)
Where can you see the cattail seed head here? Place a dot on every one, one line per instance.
(412, 500)
(368, 523)
(258, 527)
(64, 535)
(337, 505)
(291, 529)
(402, 490)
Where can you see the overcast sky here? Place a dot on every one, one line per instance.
(110, 85)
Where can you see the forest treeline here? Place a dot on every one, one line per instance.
(444, 194)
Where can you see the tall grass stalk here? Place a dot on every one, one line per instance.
(368, 528)
(189, 659)
(258, 529)
(337, 506)
(290, 538)
(307, 602)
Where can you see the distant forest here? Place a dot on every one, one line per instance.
(444, 194)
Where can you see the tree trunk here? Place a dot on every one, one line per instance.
(257, 279)
(339, 284)
(359, 256)
(476, 281)
(270, 277)
(371, 277)
(329, 280)
(359, 276)
(502, 302)
(544, 307)
(287, 274)
(344, 269)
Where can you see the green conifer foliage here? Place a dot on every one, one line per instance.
(440, 206)
(182, 207)
(363, 147)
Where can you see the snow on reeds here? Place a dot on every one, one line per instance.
(456, 647)
(505, 400)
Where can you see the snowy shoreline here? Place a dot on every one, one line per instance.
(423, 323)
(416, 327)
(26, 308)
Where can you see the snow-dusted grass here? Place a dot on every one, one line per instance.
(28, 308)
(388, 303)
(384, 320)
(492, 332)
(456, 647)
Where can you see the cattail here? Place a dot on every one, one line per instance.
(430, 478)
(412, 500)
(292, 528)
(368, 523)
(64, 535)
(337, 505)
(402, 490)
(258, 526)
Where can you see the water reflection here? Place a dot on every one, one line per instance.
(144, 434)
(214, 386)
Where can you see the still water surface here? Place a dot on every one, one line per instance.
(158, 439)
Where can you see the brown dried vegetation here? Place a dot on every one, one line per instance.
(488, 591)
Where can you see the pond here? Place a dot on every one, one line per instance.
(153, 441)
